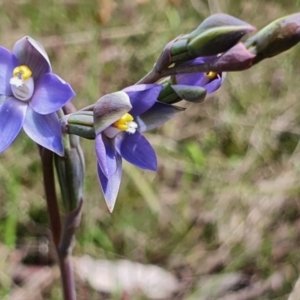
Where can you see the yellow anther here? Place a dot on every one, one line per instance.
(211, 75)
(122, 124)
(127, 118)
(121, 127)
(22, 72)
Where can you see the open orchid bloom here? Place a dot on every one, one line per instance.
(120, 118)
(211, 81)
(30, 95)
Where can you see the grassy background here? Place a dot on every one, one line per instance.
(226, 196)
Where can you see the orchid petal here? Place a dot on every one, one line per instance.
(3, 98)
(142, 97)
(110, 108)
(157, 115)
(214, 84)
(199, 79)
(33, 55)
(51, 93)
(106, 155)
(7, 64)
(137, 150)
(111, 186)
(195, 79)
(12, 114)
(44, 130)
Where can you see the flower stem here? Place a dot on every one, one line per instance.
(64, 257)
(67, 277)
(154, 76)
(49, 186)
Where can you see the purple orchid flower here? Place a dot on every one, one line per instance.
(30, 95)
(211, 81)
(120, 119)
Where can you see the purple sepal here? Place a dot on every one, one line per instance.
(106, 155)
(111, 186)
(32, 54)
(12, 114)
(142, 97)
(44, 130)
(137, 150)
(51, 93)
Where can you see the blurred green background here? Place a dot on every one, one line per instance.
(226, 197)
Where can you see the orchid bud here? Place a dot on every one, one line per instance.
(168, 95)
(164, 60)
(174, 93)
(237, 58)
(219, 20)
(80, 123)
(189, 93)
(277, 37)
(70, 172)
(215, 35)
(216, 40)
